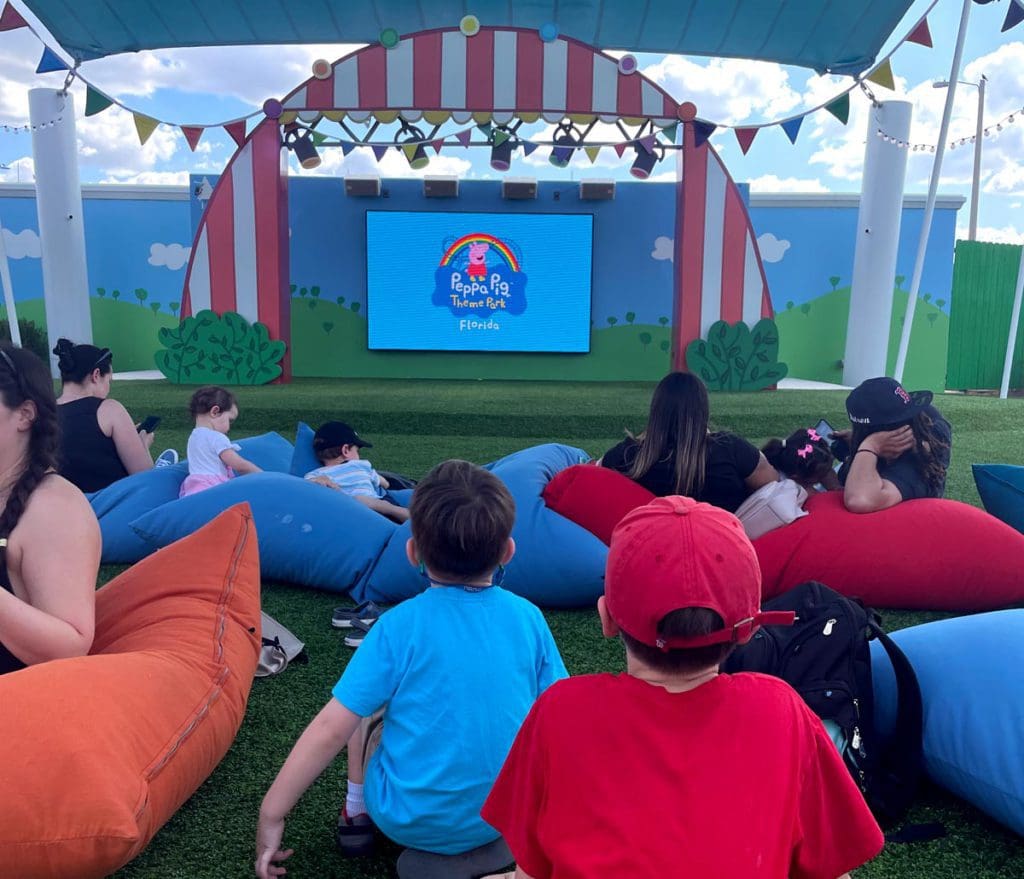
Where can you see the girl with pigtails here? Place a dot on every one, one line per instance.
(49, 537)
(803, 456)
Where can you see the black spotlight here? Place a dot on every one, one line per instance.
(300, 141)
(645, 161)
(566, 139)
(501, 153)
(407, 137)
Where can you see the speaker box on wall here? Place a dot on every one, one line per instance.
(363, 185)
(519, 187)
(441, 187)
(597, 190)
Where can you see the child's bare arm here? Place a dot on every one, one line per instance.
(383, 482)
(236, 462)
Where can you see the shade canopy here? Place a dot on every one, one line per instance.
(838, 36)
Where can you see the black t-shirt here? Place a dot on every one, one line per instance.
(730, 460)
(88, 457)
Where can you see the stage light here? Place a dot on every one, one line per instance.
(501, 153)
(300, 141)
(410, 135)
(566, 140)
(645, 161)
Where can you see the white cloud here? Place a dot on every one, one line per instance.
(663, 248)
(771, 183)
(994, 235)
(20, 245)
(19, 171)
(772, 249)
(361, 161)
(171, 256)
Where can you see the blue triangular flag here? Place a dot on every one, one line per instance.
(1014, 15)
(528, 147)
(347, 147)
(50, 62)
(702, 131)
(792, 128)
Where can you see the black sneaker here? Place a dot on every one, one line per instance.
(354, 836)
(367, 612)
(357, 632)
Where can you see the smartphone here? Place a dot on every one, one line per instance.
(149, 424)
(825, 431)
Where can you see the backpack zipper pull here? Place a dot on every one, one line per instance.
(828, 627)
(856, 740)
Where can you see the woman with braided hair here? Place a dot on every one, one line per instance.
(49, 537)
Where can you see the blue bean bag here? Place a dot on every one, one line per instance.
(557, 563)
(308, 534)
(973, 699)
(1001, 487)
(303, 457)
(122, 502)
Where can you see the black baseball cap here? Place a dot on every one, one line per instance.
(335, 434)
(883, 401)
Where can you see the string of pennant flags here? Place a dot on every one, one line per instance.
(881, 75)
(992, 130)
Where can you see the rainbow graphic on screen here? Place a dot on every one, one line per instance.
(480, 276)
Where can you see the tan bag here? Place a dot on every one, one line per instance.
(280, 647)
(772, 506)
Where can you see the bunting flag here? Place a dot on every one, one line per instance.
(702, 131)
(840, 108)
(592, 153)
(529, 148)
(464, 137)
(438, 145)
(486, 129)
(11, 20)
(237, 131)
(145, 126)
(50, 62)
(1014, 15)
(500, 136)
(347, 147)
(317, 137)
(671, 132)
(410, 150)
(380, 150)
(620, 148)
(648, 142)
(792, 128)
(745, 137)
(882, 75)
(192, 134)
(95, 102)
(921, 34)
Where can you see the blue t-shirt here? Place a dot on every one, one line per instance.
(458, 672)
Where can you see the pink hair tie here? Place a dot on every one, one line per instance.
(812, 435)
(805, 451)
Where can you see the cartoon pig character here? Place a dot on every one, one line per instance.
(478, 260)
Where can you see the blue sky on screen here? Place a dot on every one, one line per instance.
(209, 85)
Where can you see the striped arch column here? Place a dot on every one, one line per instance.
(239, 259)
(717, 263)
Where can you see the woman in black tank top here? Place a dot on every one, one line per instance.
(43, 518)
(99, 443)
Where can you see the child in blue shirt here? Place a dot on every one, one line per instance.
(432, 700)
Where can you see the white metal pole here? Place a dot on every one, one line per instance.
(1011, 342)
(5, 281)
(933, 186)
(59, 206)
(976, 183)
(878, 238)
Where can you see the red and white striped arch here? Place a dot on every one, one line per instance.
(240, 254)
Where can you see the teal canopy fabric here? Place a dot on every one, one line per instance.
(839, 36)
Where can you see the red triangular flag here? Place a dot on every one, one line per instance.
(620, 148)
(921, 34)
(192, 134)
(11, 20)
(746, 136)
(464, 137)
(237, 131)
(437, 144)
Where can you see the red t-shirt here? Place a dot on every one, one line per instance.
(612, 776)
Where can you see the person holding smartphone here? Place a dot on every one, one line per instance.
(899, 447)
(99, 442)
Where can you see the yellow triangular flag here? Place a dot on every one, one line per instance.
(410, 150)
(592, 153)
(145, 126)
(882, 75)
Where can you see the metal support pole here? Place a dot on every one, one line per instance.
(1011, 342)
(933, 186)
(976, 183)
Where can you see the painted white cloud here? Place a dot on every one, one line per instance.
(21, 245)
(772, 249)
(171, 256)
(663, 248)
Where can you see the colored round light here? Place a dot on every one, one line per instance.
(322, 68)
(548, 32)
(469, 25)
(389, 38)
(687, 111)
(272, 108)
(628, 64)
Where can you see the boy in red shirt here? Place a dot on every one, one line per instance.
(673, 769)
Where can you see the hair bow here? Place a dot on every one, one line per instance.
(805, 451)
(812, 435)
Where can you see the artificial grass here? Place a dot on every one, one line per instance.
(413, 425)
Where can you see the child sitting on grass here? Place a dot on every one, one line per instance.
(336, 446)
(673, 769)
(431, 702)
(804, 457)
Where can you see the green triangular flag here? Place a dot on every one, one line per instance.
(318, 138)
(840, 108)
(486, 129)
(500, 136)
(95, 102)
(671, 131)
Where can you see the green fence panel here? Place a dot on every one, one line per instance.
(984, 280)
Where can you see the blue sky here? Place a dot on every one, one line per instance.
(208, 85)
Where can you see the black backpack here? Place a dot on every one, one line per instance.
(825, 657)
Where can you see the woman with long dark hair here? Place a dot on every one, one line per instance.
(678, 454)
(899, 447)
(99, 442)
(49, 537)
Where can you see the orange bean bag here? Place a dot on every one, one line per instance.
(100, 751)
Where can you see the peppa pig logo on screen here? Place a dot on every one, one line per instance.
(480, 276)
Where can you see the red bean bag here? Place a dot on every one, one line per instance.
(595, 498)
(927, 554)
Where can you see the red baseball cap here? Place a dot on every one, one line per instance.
(677, 553)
